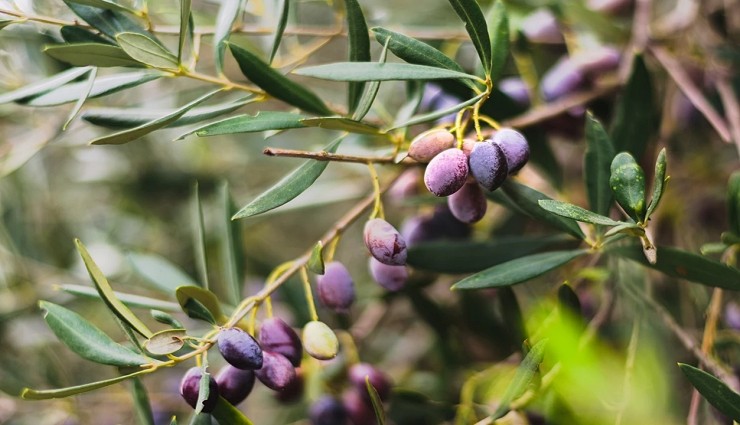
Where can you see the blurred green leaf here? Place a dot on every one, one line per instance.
(371, 91)
(141, 403)
(431, 116)
(261, 121)
(414, 51)
(132, 134)
(231, 247)
(635, 119)
(685, 265)
(43, 86)
(511, 315)
(165, 342)
(147, 51)
(376, 402)
(659, 181)
(109, 297)
(160, 272)
(87, 340)
(341, 123)
(166, 318)
(73, 34)
(276, 84)
(131, 300)
(627, 182)
(733, 203)
(91, 54)
(109, 22)
(289, 187)
(716, 392)
(103, 4)
(31, 394)
(199, 303)
(226, 413)
(359, 47)
(316, 260)
(524, 376)
(568, 300)
(518, 270)
(227, 15)
(499, 21)
(82, 99)
(527, 200)
(185, 23)
(5, 22)
(475, 24)
(596, 165)
(575, 212)
(472, 256)
(350, 71)
(102, 86)
(284, 7)
(199, 237)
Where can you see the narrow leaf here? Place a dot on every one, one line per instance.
(685, 265)
(144, 129)
(227, 15)
(5, 22)
(340, 123)
(419, 119)
(276, 84)
(103, 4)
(142, 405)
(107, 294)
(577, 213)
(166, 318)
(350, 71)
(716, 392)
(261, 121)
(523, 377)
(31, 394)
(73, 34)
(131, 300)
(165, 342)
(43, 86)
(91, 54)
(231, 249)
(101, 87)
(475, 24)
(596, 165)
(733, 203)
(635, 118)
(192, 298)
(284, 7)
(147, 51)
(226, 413)
(518, 270)
(109, 22)
(159, 272)
(499, 39)
(371, 91)
(184, 24)
(289, 187)
(316, 260)
(359, 47)
(204, 389)
(659, 181)
(199, 238)
(82, 99)
(87, 340)
(414, 51)
(627, 181)
(376, 402)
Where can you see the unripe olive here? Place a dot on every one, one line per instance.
(276, 336)
(276, 373)
(446, 172)
(378, 380)
(234, 384)
(327, 411)
(336, 288)
(294, 391)
(392, 278)
(190, 387)
(427, 145)
(320, 341)
(488, 165)
(468, 204)
(384, 242)
(515, 147)
(359, 410)
(239, 349)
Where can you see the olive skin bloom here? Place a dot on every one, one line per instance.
(446, 172)
(468, 204)
(384, 242)
(488, 164)
(515, 147)
(430, 143)
(336, 287)
(190, 387)
(276, 336)
(276, 373)
(239, 349)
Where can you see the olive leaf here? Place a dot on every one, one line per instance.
(109, 22)
(376, 402)
(359, 47)
(227, 15)
(341, 123)
(659, 181)
(635, 117)
(31, 394)
(351, 71)
(261, 121)
(159, 272)
(74, 34)
(147, 51)
(142, 405)
(226, 413)
(524, 375)
(627, 181)
(130, 300)
(165, 342)
(185, 25)
(316, 260)
(232, 247)
(91, 54)
(733, 203)
(477, 28)
(716, 392)
(577, 213)
(596, 165)
(284, 7)
(101, 86)
(499, 27)
(199, 237)
(199, 303)
(43, 86)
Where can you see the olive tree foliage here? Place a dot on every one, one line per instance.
(604, 231)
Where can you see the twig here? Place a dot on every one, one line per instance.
(328, 156)
(732, 110)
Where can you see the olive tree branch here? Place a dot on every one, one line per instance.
(328, 156)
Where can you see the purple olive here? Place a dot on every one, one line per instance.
(541, 26)
(276, 336)
(190, 387)
(239, 349)
(378, 380)
(427, 145)
(336, 287)
(439, 225)
(468, 204)
(488, 164)
(276, 373)
(384, 242)
(392, 278)
(732, 316)
(294, 391)
(446, 172)
(359, 411)
(596, 61)
(234, 384)
(609, 6)
(327, 411)
(516, 89)
(515, 148)
(563, 78)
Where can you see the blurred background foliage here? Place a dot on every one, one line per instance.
(138, 198)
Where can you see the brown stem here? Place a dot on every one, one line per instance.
(328, 156)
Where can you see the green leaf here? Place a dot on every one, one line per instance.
(577, 213)
(627, 182)
(596, 165)
(109, 22)
(87, 340)
(456, 257)
(226, 413)
(82, 99)
(635, 119)
(204, 389)
(147, 51)
(733, 202)
(414, 51)
(289, 187)
(5, 22)
(43, 86)
(276, 84)
(109, 297)
(101, 87)
(431, 116)
(231, 247)
(518, 270)
(103, 4)
(199, 303)
(131, 300)
(133, 117)
(31, 394)
(475, 24)
(185, 23)
(499, 38)
(376, 402)
(284, 7)
(166, 318)
(261, 121)
(72, 34)
(201, 419)
(716, 392)
(359, 47)
(91, 54)
(132, 134)
(141, 403)
(199, 238)
(527, 199)
(165, 342)
(227, 15)
(350, 71)
(659, 181)
(371, 91)
(685, 265)
(316, 260)
(159, 272)
(341, 123)
(523, 377)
